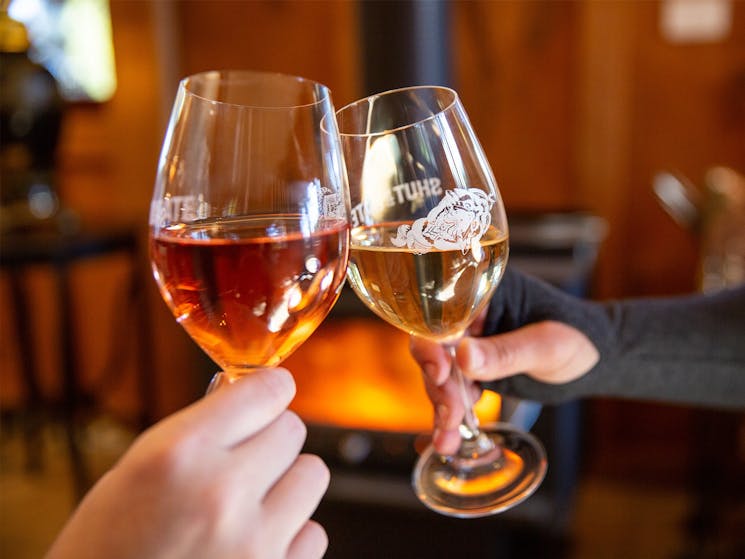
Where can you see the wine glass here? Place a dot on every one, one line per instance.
(428, 247)
(249, 221)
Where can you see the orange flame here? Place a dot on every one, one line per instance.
(358, 373)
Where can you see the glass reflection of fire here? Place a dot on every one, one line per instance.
(358, 373)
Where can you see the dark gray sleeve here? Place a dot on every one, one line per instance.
(686, 349)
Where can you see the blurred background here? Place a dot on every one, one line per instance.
(616, 131)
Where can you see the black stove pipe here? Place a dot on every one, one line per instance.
(404, 43)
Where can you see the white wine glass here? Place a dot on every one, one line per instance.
(249, 226)
(428, 248)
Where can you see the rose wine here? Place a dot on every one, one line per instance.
(433, 294)
(249, 291)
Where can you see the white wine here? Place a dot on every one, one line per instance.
(434, 294)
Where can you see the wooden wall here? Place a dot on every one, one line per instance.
(579, 104)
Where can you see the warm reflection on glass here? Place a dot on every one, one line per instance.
(370, 388)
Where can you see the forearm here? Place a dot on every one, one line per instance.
(689, 350)
(685, 350)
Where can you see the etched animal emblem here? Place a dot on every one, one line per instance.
(464, 214)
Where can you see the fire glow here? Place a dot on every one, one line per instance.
(358, 374)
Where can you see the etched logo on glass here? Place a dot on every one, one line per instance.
(462, 216)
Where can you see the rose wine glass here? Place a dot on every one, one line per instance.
(428, 247)
(249, 221)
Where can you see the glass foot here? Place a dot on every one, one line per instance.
(469, 487)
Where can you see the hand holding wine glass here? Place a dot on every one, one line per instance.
(181, 490)
(428, 248)
(249, 217)
(249, 240)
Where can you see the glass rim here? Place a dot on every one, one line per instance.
(238, 75)
(386, 93)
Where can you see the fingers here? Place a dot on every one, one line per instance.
(309, 543)
(447, 403)
(443, 392)
(294, 498)
(266, 456)
(448, 407)
(239, 410)
(446, 441)
(549, 351)
(432, 358)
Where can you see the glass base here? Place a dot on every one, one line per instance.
(492, 483)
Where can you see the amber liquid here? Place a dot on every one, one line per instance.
(250, 291)
(435, 295)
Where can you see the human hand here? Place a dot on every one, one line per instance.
(548, 351)
(222, 478)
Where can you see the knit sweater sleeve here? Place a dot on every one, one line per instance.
(685, 349)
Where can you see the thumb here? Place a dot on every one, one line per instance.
(496, 357)
(548, 351)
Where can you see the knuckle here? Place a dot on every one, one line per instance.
(166, 461)
(157, 462)
(214, 499)
(553, 334)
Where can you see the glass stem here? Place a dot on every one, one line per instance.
(469, 427)
(228, 376)
(474, 443)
